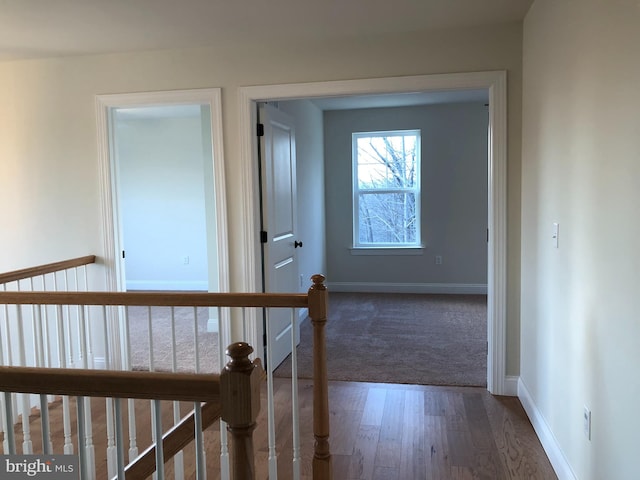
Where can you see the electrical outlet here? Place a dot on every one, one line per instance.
(438, 259)
(587, 422)
(185, 260)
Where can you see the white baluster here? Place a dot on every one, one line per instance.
(131, 412)
(48, 355)
(224, 339)
(199, 442)
(85, 323)
(133, 446)
(88, 446)
(84, 472)
(36, 331)
(47, 334)
(81, 325)
(62, 361)
(178, 459)
(108, 354)
(294, 396)
(13, 405)
(273, 456)
(151, 369)
(201, 473)
(66, 425)
(174, 353)
(10, 440)
(119, 439)
(112, 449)
(41, 355)
(85, 278)
(196, 339)
(47, 445)
(156, 411)
(27, 444)
(67, 322)
(38, 337)
(150, 327)
(3, 415)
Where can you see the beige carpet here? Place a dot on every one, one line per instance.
(388, 338)
(401, 338)
(185, 351)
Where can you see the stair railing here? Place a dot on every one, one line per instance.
(67, 275)
(227, 395)
(315, 301)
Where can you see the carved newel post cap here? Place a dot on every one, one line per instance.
(240, 386)
(318, 281)
(239, 353)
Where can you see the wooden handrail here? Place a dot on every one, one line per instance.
(111, 383)
(157, 299)
(173, 440)
(47, 268)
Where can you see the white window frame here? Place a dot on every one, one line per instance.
(356, 190)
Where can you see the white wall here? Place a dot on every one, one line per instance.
(310, 188)
(453, 208)
(162, 201)
(581, 168)
(49, 181)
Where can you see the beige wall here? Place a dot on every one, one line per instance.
(49, 191)
(581, 168)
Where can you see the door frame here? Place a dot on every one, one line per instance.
(496, 83)
(112, 230)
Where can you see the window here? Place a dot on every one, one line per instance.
(386, 189)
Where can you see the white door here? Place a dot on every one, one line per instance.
(278, 170)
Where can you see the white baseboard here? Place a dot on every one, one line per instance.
(302, 314)
(163, 285)
(376, 287)
(511, 385)
(545, 434)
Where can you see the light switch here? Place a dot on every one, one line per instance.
(556, 231)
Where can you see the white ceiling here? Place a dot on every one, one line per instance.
(46, 28)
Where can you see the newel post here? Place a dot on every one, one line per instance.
(240, 393)
(318, 300)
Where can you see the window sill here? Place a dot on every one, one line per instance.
(384, 251)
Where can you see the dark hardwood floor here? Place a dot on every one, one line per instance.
(383, 431)
(378, 432)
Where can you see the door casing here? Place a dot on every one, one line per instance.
(108, 194)
(496, 83)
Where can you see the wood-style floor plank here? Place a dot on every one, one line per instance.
(438, 464)
(378, 431)
(363, 453)
(390, 440)
(412, 460)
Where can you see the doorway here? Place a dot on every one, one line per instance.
(210, 181)
(495, 84)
